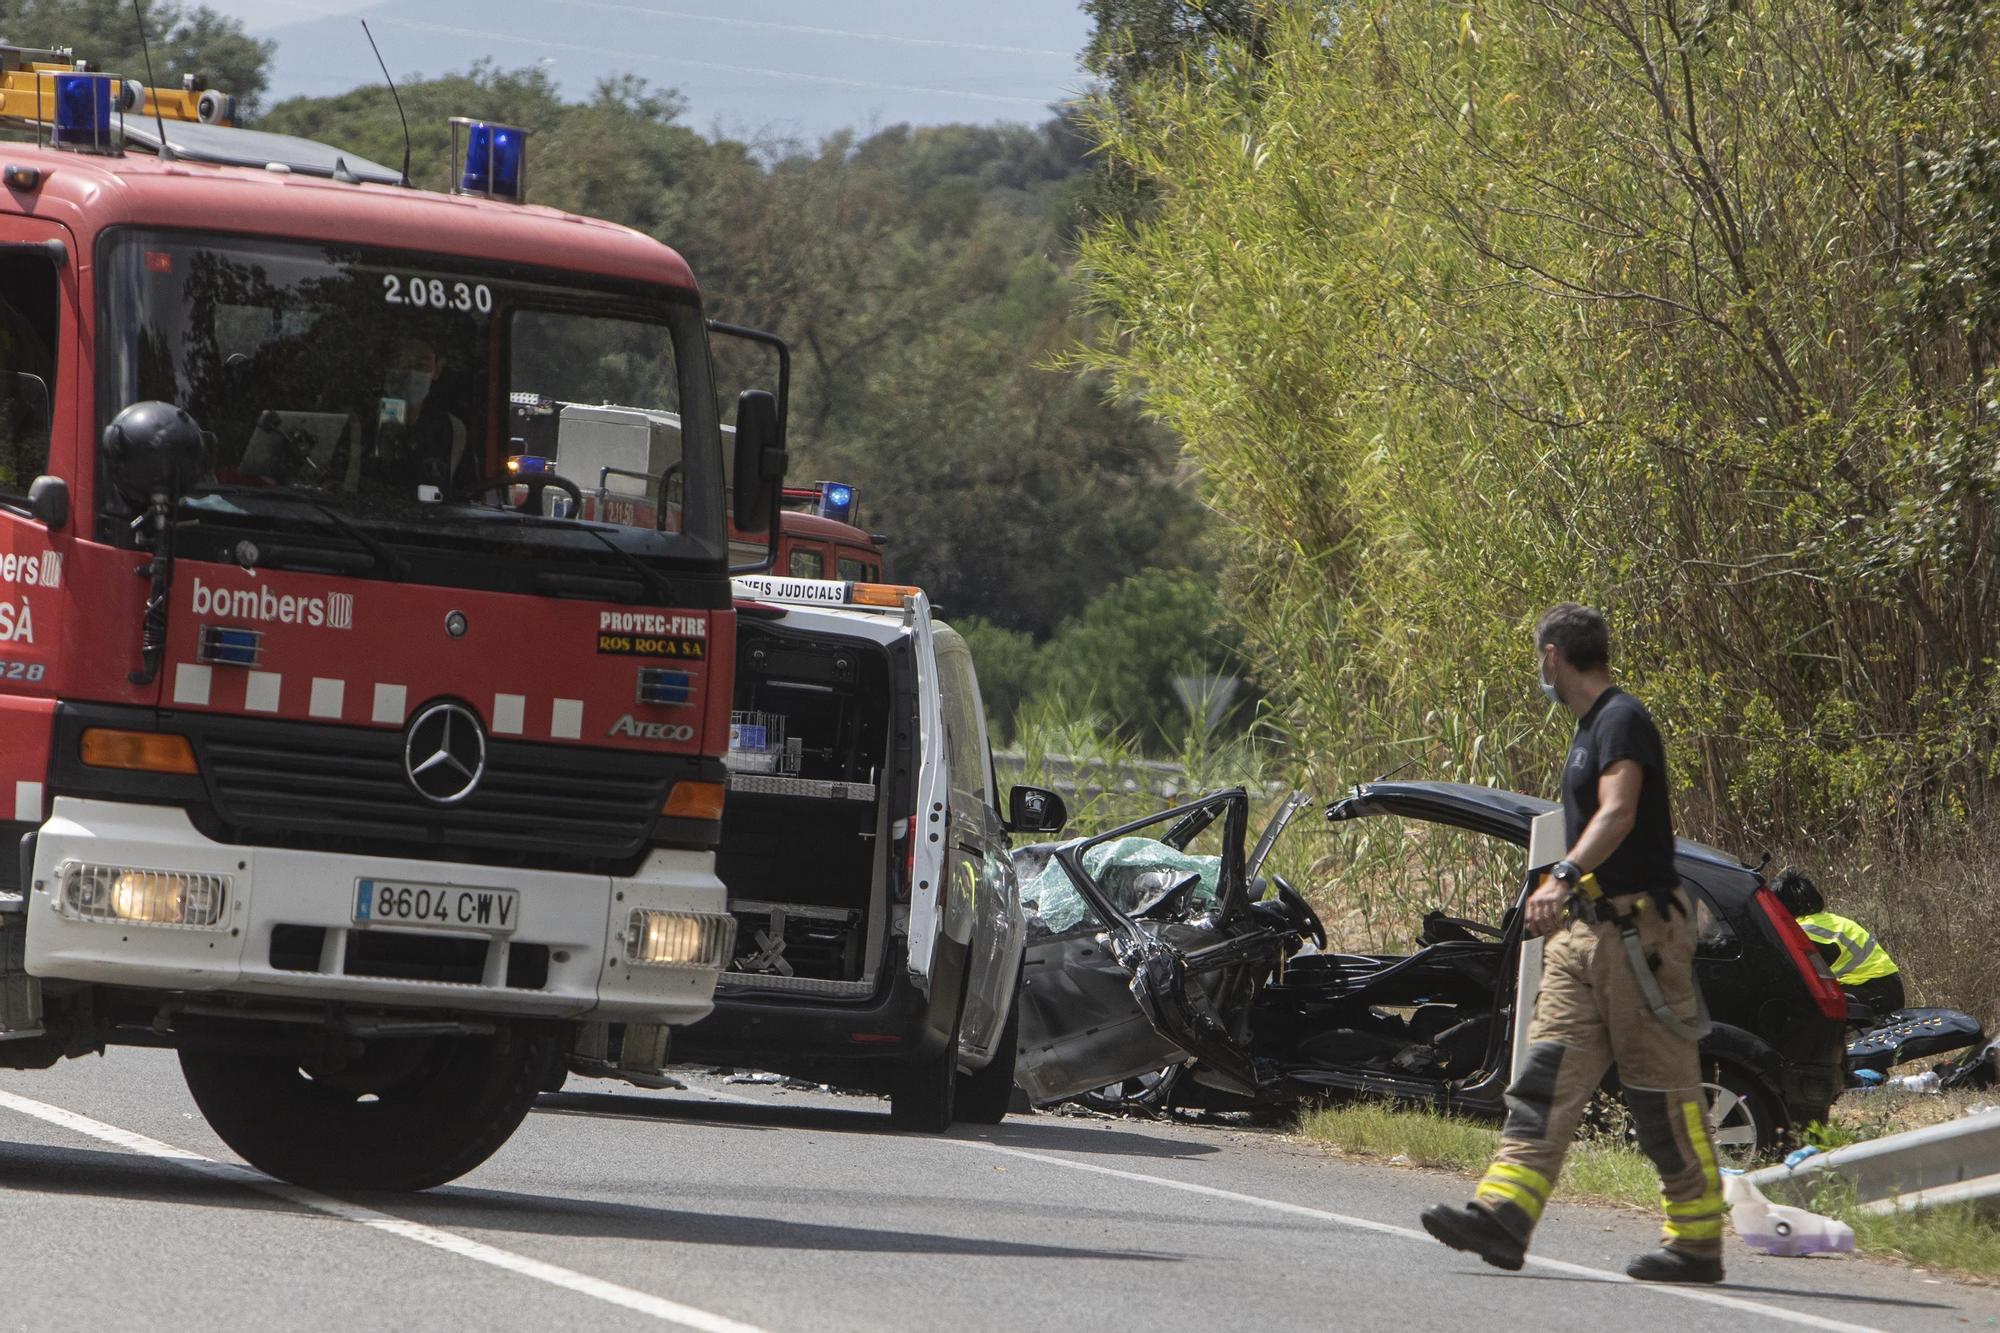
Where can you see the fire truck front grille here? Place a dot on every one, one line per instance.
(339, 788)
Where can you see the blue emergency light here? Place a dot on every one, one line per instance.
(82, 120)
(495, 161)
(836, 501)
(531, 465)
(657, 685)
(222, 646)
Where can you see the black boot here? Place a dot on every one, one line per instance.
(1474, 1231)
(1665, 1265)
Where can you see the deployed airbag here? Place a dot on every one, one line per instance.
(1128, 871)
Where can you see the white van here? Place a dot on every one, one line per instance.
(879, 928)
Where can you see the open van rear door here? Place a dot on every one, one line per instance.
(928, 824)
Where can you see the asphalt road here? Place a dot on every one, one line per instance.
(732, 1207)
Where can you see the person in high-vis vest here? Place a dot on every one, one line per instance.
(1856, 958)
(1617, 985)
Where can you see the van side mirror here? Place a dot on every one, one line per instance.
(1035, 810)
(49, 499)
(760, 461)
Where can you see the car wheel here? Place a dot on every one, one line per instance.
(1743, 1117)
(984, 1097)
(408, 1114)
(1147, 1092)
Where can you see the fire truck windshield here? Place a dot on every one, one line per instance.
(394, 389)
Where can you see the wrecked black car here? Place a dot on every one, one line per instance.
(1162, 946)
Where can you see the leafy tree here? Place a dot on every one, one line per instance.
(1124, 653)
(1688, 310)
(184, 40)
(1132, 41)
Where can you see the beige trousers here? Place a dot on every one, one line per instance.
(1590, 1015)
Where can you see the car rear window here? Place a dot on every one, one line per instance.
(1714, 936)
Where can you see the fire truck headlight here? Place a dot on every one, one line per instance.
(124, 894)
(679, 939)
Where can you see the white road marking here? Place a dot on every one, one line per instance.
(672, 1312)
(1701, 1295)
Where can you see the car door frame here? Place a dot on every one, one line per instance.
(1162, 972)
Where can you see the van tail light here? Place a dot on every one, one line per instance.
(902, 831)
(1825, 990)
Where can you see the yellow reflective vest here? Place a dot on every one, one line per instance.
(1861, 958)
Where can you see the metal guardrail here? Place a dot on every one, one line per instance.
(1956, 1162)
(1079, 776)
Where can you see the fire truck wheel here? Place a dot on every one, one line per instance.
(983, 1098)
(923, 1095)
(408, 1114)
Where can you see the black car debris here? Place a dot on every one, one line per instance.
(1154, 958)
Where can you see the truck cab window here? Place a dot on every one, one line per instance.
(805, 564)
(30, 321)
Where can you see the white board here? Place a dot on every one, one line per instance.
(1545, 848)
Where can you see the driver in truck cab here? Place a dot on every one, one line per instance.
(415, 421)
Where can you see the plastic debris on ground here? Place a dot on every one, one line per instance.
(1780, 1229)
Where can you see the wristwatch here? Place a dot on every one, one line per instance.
(1567, 873)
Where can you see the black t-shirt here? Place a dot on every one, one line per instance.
(1619, 727)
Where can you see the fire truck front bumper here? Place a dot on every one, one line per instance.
(135, 896)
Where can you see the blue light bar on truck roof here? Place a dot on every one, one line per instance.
(836, 501)
(495, 163)
(82, 120)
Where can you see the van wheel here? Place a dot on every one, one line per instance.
(406, 1114)
(923, 1096)
(984, 1097)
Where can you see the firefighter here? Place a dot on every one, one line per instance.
(1857, 959)
(1617, 985)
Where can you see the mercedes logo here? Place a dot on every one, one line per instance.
(445, 753)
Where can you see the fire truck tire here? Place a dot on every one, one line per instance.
(924, 1095)
(984, 1097)
(411, 1113)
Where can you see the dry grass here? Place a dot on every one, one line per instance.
(1932, 909)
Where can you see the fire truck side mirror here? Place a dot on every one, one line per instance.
(760, 460)
(48, 497)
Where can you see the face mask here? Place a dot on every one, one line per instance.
(1547, 688)
(409, 385)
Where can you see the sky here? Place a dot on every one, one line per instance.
(748, 68)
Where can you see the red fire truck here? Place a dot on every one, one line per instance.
(820, 537)
(348, 756)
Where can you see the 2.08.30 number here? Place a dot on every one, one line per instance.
(436, 293)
